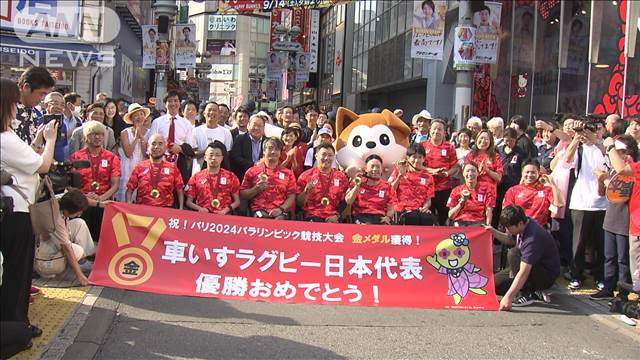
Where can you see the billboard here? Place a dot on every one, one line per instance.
(221, 47)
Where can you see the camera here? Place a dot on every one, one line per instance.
(6, 202)
(63, 176)
(47, 118)
(588, 125)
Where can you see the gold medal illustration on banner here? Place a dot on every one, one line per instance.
(324, 201)
(155, 193)
(95, 185)
(215, 203)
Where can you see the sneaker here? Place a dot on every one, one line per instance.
(541, 296)
(575, 284)
(523, 300)
(600, 285)
(602, 295)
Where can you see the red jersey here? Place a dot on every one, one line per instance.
(493, 165)
(474, 208)
(442, 156)
(97, 178)
(204, 187)
(413, 189)
(164, 178)
(301, 152)
(372, 199)
(333, 186)
(634, 202)
(535, 200)
(281, 182)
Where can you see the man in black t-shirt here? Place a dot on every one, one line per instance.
(534, 259)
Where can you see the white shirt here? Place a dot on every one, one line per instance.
(19, 159)
(310, 160)
(585, 191)
(183, 129)
(205, 135)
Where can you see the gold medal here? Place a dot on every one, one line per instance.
(465, 193)
(95, 185)
(542, 180)
(215, 203)
(264, 177)
(324, 201)
(155, 193)
(357, 180)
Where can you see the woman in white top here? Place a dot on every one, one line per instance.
(17, 242)
(133, 147)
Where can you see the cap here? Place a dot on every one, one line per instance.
(324, 131)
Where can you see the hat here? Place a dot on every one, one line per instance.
(295, 126)
(422, 114)
(132, 109)
(325, 131)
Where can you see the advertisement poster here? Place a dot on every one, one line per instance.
(464, 48)
(221, 47)
(302, 67)
(427, 39)
(221, 72)
(272, 90)
(185, 46)
(163, 53)
(287, 18)
(487, 22)
(149, 39)
(241, 258)
(276, 64)
(126, 76)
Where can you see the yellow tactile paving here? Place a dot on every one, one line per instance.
(50, 311)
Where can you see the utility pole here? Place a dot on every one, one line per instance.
(165, 12)
(464, 78)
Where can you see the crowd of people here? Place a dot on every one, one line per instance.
(540, 188)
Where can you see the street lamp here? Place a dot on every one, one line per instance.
(165, 12)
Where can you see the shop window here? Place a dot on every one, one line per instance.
(407, 56)
(574, 78)
(393, 24)
(402, 15)
(545, 82)
(632, 93)
(522, 59)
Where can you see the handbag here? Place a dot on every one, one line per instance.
(44, 213)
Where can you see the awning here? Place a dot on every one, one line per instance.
(50, 53)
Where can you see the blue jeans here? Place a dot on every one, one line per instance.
(616, 260)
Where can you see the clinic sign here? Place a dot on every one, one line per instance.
(54, 18)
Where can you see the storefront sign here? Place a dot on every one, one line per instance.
(464, 48)
(185, 46)
(222, 22)
(223, 72)
(54, 18)
(314, 40)
(427, 39)
(287, 18)
(187, 253)
(149, 39)
(487, 22)
(239, 6)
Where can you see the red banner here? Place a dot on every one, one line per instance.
(175, 252)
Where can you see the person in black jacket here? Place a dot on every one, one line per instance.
(519, 124)
(512, 159)
(247, 148)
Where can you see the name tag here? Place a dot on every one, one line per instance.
(481, 197)
(423, 181)
(444, 152)
(105, 163)
(281, 176)
(541, 194)
(165, 171)
(203, 181)
(381, 193)
(223, 181)
(336, 182)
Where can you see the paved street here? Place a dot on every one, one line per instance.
(132, 325)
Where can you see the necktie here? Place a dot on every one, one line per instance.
(172, 132)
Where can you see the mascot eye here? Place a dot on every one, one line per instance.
(357, 141)
(384, 139)
(444, 253)
(458, 252)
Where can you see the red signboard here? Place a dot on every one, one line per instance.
(176, 252)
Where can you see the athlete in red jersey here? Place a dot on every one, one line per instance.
(471, 203)
(370, 197)
(214, 189)
(413, 189)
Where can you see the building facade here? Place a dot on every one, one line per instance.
(575, 56)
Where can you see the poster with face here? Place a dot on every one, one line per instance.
(275, 65)
(302, 67)
(149, 39)
(487, 22)
(185, 46)
(427, 39)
